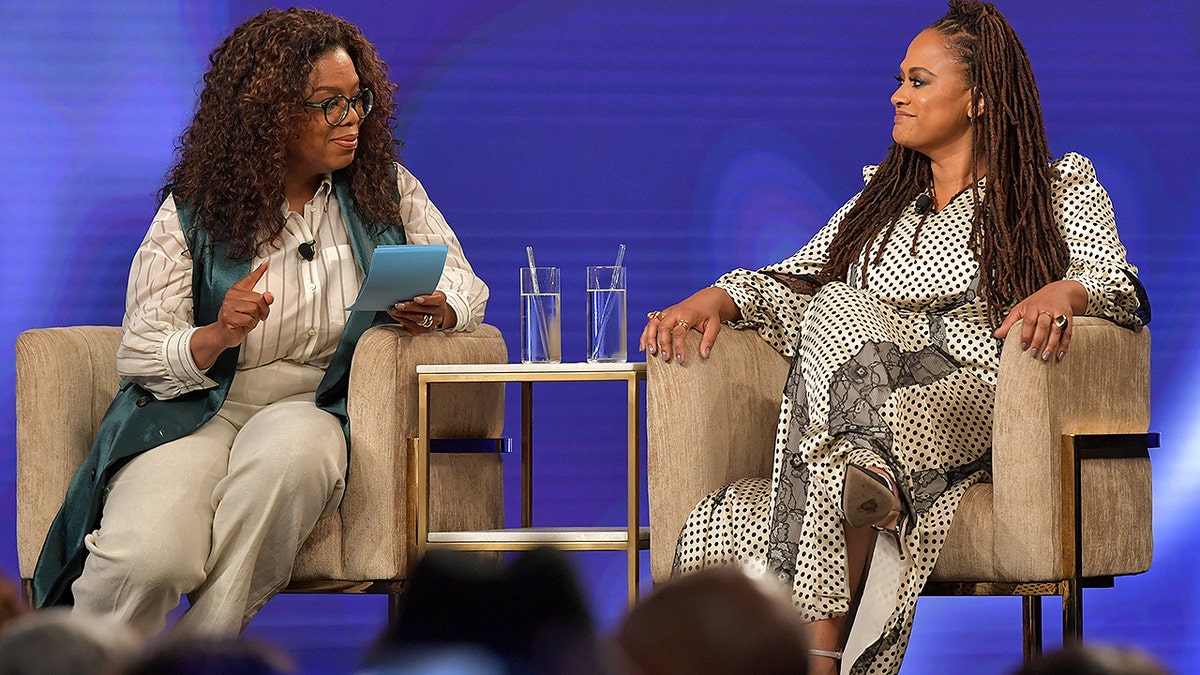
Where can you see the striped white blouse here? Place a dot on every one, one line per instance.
(308, 314)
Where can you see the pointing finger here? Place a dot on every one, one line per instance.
(251, 279)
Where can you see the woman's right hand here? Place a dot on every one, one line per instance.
(241, 310)
(665, 333)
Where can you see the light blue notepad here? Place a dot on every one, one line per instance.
(400, 273)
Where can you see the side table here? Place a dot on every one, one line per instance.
(631, 538)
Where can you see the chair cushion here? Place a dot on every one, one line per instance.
(967, 554)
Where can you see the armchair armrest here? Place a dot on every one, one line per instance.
(377, 513)
(65, 380)
(708, 423)
(1101, 387)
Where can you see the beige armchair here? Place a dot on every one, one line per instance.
(1069, 505)
(66, 378)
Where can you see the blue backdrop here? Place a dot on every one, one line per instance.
(704, 134)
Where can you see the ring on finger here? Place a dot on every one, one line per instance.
(683, 324)
(1061, 321)
(655, 315)
(426, 321)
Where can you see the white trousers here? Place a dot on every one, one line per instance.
(218, 515)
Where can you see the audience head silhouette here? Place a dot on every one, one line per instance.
(1094, 659)
(716, 620)
(60, 640)
(528, 617)
(211, 655)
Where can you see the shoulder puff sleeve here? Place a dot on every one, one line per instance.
(466, 293)
(1084, 211)
(156, 349)
(772, 299)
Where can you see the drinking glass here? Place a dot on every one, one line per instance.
(541, 321)
(606, 335)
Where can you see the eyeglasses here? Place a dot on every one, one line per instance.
(337, 107)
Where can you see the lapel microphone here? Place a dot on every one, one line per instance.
(308, 249)
(924, 201)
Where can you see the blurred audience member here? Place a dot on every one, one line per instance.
(1094, 659)
(715, 621)
(61, 641)
(12, 604)
(211, 655)
(463, 608)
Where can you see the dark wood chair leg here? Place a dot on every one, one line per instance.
(393, 610)
(1031, 615)
(1072, 601)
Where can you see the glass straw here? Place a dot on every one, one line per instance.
(604, 309)
(543, 326)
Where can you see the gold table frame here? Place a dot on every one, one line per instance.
(633, 538)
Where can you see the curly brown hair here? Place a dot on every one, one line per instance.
(1016, 240)
(230, 164)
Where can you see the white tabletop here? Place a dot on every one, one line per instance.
(517, 368)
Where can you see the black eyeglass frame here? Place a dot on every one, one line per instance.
(351, 102)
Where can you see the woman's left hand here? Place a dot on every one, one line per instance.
(424, 313)
(1047, 314)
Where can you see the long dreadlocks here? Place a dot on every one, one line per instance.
(1016, 241)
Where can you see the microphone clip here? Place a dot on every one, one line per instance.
(308, 250)
(923, 203)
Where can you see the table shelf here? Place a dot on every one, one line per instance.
(581, 538)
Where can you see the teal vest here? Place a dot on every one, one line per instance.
(136, 421)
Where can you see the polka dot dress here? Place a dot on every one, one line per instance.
(900, 374)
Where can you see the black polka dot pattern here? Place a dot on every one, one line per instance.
(900, 374)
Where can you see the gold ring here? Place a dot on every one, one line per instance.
(683, 324)
(1045, 312)
(1061, 321)
(426, 321)
(655, 315)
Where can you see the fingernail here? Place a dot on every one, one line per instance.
(1046, 355)
(679, 359)
(651, 349)
(707, 352)
(666, 356)
(1061, 355)
(1024, 346)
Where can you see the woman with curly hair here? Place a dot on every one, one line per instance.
(228, 441)
(893, 316)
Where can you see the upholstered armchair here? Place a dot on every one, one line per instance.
(66, 378)
(1069, 505)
